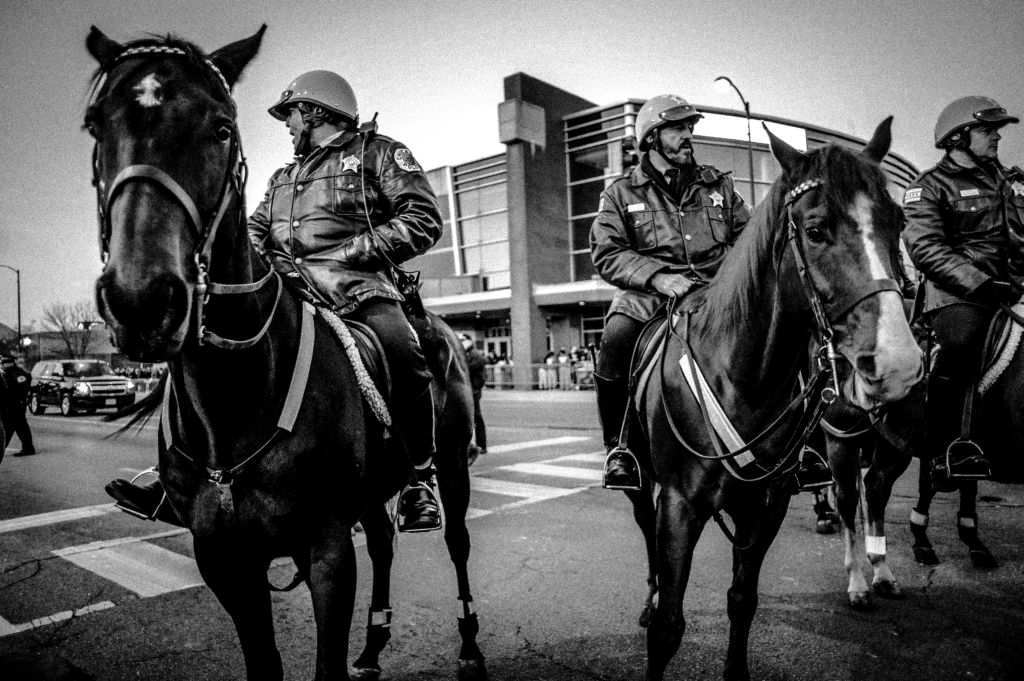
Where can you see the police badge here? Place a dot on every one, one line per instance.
(405, 161)
(349, 163)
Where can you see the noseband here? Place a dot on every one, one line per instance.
(233, 186)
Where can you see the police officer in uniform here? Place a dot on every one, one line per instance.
(965, 223)
(18, 383)
(661, 230)
(336, 223)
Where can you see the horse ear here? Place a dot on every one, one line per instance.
(878, 147)
(232, 59)
(101, 47)
(788, 157)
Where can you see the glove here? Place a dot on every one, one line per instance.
(996, 292)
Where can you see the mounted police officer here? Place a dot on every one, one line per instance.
(661, 231)
(965, 225)
(336, 223)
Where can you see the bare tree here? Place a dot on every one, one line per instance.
(74, 322)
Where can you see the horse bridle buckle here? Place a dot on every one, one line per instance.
(221, 476)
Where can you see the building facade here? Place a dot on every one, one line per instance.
(513, 267)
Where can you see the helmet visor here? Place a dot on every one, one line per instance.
(995, 115)
(679, 113)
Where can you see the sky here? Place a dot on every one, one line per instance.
(434, 71)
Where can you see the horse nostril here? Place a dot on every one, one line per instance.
(159, 305)
(866, 364)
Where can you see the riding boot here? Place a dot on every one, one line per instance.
(813, 472)
(951, 456)
(418, 508)
(621, 469)
(148, 502)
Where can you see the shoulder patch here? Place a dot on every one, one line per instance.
(912, 195)
(405, 161)
(600, 204)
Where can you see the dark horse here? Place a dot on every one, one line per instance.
(816, 258)
(180, 280)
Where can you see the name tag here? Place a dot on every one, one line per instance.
(970, 192)
(636, 207)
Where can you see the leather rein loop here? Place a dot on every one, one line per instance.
(233, 187)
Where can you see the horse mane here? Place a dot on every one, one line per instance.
(736, 290)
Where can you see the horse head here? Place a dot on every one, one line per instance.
(843, 228)
(168, 170)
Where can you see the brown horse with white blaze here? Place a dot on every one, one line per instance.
(816, 260)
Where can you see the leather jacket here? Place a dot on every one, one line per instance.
(964, 228)
(313, 220)
(641, 231)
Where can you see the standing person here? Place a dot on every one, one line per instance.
(336, 223)
(661, 230)
(477, 364)
(18, 383)
(965, 226)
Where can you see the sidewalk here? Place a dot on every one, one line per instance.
(554, 396)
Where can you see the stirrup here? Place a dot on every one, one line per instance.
(623, 453)
(813, 485)
(971, 456)
(138, 514)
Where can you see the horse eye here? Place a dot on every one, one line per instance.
(815, 233)
(90, 127)
(223, 134)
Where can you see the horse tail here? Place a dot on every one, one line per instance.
(141, 411)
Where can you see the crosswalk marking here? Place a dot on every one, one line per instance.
(540, 468)
(141, 567)
(42, 519)
(147, 569)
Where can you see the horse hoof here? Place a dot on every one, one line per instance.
(982, 559)
(925, 555)
(472, 670)
(861, 602)
(824, 526)
(890, 590)
(364, 673)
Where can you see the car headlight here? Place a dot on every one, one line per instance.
(129, 387)
(83, 389)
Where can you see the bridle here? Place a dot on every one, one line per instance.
(232, 187)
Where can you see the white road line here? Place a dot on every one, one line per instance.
(6, 628)
(585, 457)
(518, 489)
(53, 517)
(146, 569)
(533, 444)
(589, 474)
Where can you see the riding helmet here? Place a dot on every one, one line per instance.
(965, 113)
(323, 88)
(660, 110)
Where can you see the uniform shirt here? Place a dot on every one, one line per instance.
(641, 230)
(963, 228)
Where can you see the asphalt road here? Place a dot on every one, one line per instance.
(557, 568)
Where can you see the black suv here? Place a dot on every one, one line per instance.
(78, 384)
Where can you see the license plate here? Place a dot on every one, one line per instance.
(111, 401)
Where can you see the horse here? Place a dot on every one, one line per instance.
(267, 447)
(815, 259)
(998, 429)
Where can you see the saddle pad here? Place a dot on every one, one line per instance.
(1004, 340)
(372, 354)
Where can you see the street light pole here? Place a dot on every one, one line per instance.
(750, 143)
(17, 280)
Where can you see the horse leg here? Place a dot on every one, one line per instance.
(380, 536)
(923, 551)
(888, 465)
(755, 532)
(644, 515)
(967, 527)
(453, 484)
(678, 528)
(239, 581)
(844, 458)
(332, 586)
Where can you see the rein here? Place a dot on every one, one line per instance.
(232, 187)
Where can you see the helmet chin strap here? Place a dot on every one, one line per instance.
(312, 117)
(658, 147)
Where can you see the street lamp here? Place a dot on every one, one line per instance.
(750, 143)
(17, 279)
